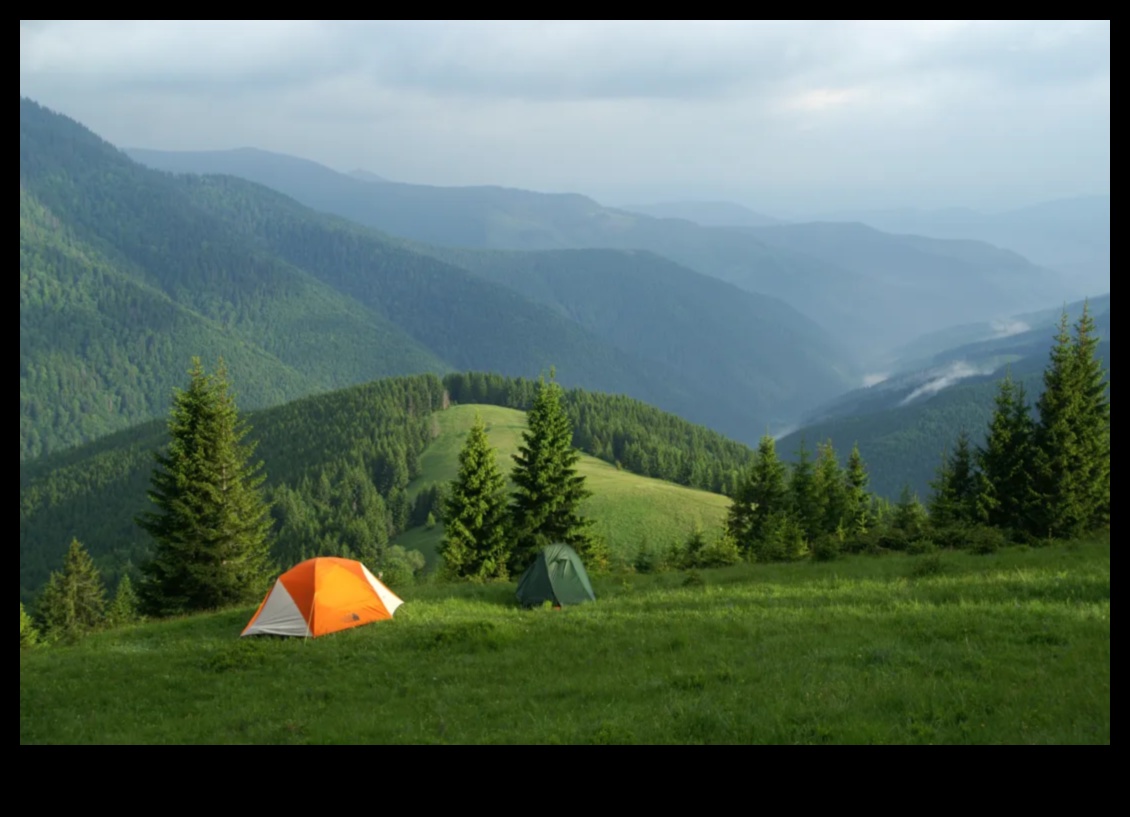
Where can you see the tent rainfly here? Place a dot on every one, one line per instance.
(557, 575)
(321, 596)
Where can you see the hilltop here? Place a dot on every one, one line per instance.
(349, 470)
(630, 510)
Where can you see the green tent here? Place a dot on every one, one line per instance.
(557, 575)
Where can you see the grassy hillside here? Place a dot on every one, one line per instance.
(345, 468)
(628, 509)
(1010, 648)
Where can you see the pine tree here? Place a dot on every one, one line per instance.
(1005, 460)
(1094, 426)
(803, 497)
(475, 539)
(858, 497)
(1071, 461)
(832, 490)
(123, 609)
(73, 603)
(908, 516)
(761, 493)
(29, 635)
(212, 525)
(548, 490)
(957, 488)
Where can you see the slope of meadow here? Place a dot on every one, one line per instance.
(1008, 648)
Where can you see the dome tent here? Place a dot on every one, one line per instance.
(557, 575)
(321, 596)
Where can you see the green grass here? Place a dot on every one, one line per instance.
(1012, 647)
(627, 508)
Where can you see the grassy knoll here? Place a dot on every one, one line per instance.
(627, 508)
(1012, 647)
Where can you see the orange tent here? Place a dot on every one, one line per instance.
(321, 596)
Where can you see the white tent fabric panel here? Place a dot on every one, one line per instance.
(279, 616)
(390, 600)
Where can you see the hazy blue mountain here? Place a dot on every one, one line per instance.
(852, 301)
(903, 422)
(366, 176)
(1069, 235)
(705, 329)
(126, 272)
(705, 213)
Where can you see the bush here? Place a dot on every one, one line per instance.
(29, 636)
(722, 552)
(826, 548)
(984, 540)
(921, 546)
(401, 566)
(929, 564)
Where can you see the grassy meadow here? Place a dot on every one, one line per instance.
(627, 508)
(1012, 647)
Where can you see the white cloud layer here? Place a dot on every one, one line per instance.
(808, 115)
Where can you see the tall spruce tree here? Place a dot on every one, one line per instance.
(548, 490)
(1071, 461)
(762, 493)
(475, 542)
(858, 496)
(957, 488)
(212, 526)
(74, 601)
(804, 500)
(832, 490)
(1005, 460)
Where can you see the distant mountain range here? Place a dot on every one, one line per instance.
(126, 272)
(903, 422)
(705, 213)
(1070, 235)
(871, 291)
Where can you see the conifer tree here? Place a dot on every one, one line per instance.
(908, 516)
(1071, 460)
(1005, 460)
(476, 540)
(761, 493)
(858, 497)
(803, 497)
(957, 488)
(74, 601)
(831, 489)
(29, 635)
(123, 609)
(548, 490)
(212, 524)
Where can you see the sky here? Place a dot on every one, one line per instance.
(785, 117)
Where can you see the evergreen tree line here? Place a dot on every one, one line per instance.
(1042, 474)
(338, 469)
(73, 604)
(489, 534)
(623, 431)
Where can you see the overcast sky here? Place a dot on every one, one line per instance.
(785, 117)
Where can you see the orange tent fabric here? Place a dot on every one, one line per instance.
(321, 596)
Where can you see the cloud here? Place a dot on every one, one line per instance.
(785, 110)
(1007, 328)
(944, 378)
